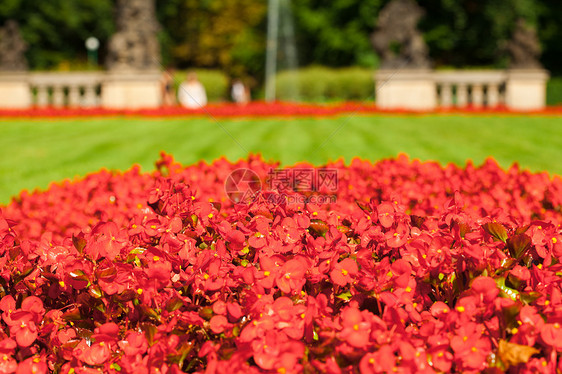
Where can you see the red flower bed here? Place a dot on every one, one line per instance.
(415, 268)
(253, 109)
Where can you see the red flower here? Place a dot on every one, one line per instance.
(397, 237)
(356, 330)
(385, 212)
(133, 344)
(35, 365)
(551, 334)
(219, 324)
(277, 352)
(109, 240)
(291, 275)
(344, 272)
(470, 347)
(7, 363)
(23, 328)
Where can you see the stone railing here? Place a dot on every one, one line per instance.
(122, 90)
(424, 89)
(477, 89)
(76, 89)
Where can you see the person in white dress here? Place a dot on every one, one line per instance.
(191, 93)
(240, 93)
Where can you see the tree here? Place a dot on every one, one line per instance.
(56, 30)
(473, 32)
(336, 33)
(215, 33)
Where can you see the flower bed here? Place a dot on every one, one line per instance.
(415, 268)
(254, 109)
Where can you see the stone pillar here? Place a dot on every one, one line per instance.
(15, 92)
(526, 89)
(446, 95)
(131, 90)
(493, 95)
(412, 89)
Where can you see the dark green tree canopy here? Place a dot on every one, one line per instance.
(230, 35)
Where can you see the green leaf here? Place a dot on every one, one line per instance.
(149, 312)
(530, 297)
(106, 273)
(137, 251)
(72, 315)
(174, 304)
(513, 354)
(507, 291)
(78, 274)
(364, 207)
(79, 243)
(95, 291)
(344, 295)
(319, 227)
(206, 313)
(521, 230)
(149, 331)
(497, 230)
(518, 245)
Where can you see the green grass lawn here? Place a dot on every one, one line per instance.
(35, 152)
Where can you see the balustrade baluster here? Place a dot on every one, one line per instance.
(462, 95)
(446, 95)
(73, 96)
(477, 96)
(42, 96)
(89, 96)
(58, 96)
(493, 95)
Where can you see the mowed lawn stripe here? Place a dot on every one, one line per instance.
(35, 152)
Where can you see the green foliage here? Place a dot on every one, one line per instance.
(554, 91)
(214, 81)
(338, 34)
(475, 32)
(550, 33)
(214, 34)
(56, 30)
(231, 35)
(320, 84)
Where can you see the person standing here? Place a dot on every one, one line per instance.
(191, 93)
(167, 86)
(240, 93)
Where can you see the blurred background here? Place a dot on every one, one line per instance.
(225, 39)
(327, 44)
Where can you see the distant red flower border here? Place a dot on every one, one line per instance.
(259, 109)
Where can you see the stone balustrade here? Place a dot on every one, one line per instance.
(75, 89)
(410, 89)
(476, 89)
(423, 89)
(124, 90)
